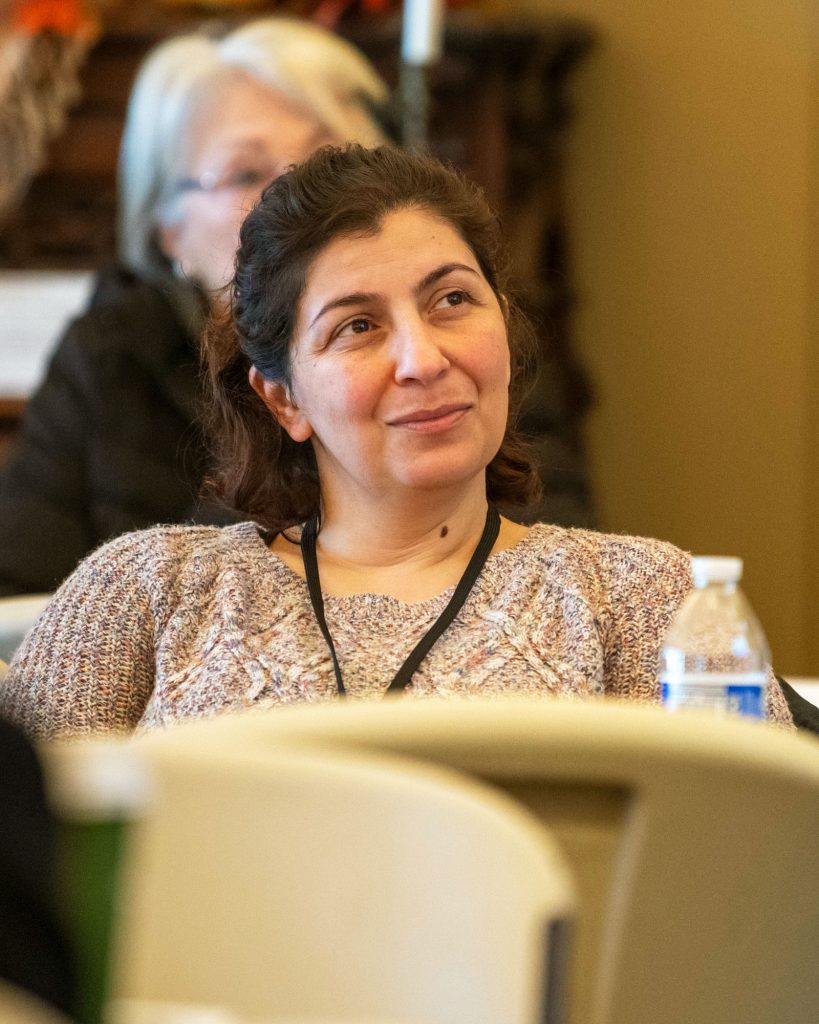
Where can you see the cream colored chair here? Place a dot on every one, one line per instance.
(17, 616)
(337, 887)
(694, 841)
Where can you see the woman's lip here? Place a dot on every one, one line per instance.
(431, 419)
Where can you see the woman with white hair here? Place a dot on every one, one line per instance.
(111, 442)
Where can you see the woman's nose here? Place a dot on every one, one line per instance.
(418, 353)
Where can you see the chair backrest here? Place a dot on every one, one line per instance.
(338, 886)
(17, 616)
(694, 841)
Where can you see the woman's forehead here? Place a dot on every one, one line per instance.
(236, 110)
(407, 244)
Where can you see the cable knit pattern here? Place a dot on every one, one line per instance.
(182, 622)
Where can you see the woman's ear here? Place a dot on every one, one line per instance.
(504, 305)
(280, 405)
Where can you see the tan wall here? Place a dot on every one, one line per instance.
(691, 173)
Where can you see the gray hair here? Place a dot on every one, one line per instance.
(315, 69)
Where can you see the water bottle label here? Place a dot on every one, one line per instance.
(740, 694)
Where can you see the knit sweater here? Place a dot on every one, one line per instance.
(182, 622)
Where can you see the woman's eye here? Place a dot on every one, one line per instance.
(453, 298)
(358, 326)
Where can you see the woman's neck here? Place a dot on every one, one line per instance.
(412, 551)
(418, 533)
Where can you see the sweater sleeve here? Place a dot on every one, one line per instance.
(88, 664)
(647, 581)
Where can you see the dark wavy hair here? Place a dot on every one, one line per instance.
(258, 469)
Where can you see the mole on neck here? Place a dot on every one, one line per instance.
(444, 531)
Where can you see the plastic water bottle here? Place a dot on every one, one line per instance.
(715, 656)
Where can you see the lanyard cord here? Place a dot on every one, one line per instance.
(422, 648)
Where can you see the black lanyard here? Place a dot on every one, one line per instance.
(422, 648)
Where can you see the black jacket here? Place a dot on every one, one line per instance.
(109, 442)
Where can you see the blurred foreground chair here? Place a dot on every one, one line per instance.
(336, 886)
(17, 616)
(694, 841)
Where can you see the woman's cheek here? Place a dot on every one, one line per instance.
(491, 360)
(352, 396)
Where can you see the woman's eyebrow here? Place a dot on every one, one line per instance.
(442, 271)
(361, 298)
(353, 299)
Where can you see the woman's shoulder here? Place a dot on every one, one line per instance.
(179, 544)
(119, 293)
(155, 560)
(612, 557)
(123, 320)
(605, 546)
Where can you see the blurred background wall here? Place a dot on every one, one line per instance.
(691, 186)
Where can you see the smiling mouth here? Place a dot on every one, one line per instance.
(430, 420)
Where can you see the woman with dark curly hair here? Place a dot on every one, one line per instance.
(363, 392)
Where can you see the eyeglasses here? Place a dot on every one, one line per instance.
(243, 179)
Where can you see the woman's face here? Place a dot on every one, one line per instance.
(242, 137)
(400, 362)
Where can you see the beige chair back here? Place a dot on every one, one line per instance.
(338, 886)
(694, 841)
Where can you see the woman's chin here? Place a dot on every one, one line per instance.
(432, 475)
